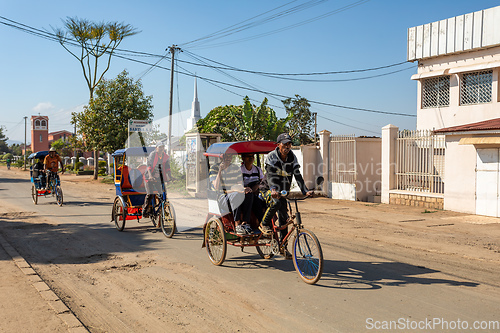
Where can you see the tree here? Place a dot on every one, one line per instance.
(103, 123)
(243, 122)
(4, 148)
(63, 147)
(96, 40)
(301, 124)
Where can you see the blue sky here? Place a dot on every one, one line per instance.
(39, 76)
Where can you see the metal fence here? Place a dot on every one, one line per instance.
(343, 159)
(420, 161)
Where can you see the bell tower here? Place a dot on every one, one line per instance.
(195, 109)
(39, 133)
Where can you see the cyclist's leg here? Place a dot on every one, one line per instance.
(282, 217)
(274, 205)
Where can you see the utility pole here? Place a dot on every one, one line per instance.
(74, 148)
(25, 118)
(172, 50)
(315, 129)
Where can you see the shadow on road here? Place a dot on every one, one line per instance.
(74, 243)
(353, 275)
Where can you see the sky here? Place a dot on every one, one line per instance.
(39, 77)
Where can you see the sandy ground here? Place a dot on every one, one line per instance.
(102, 289)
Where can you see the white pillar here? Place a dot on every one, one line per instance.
(324, 151)
(389, 136)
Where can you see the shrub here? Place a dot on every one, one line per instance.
(78, 166)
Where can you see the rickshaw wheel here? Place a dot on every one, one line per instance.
(167, 220)
(265, 250)
(215, 240)
(119, 214)
(59, 195)
(34, 194)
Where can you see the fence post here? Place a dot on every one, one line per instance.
(324, 151)
(389, 138)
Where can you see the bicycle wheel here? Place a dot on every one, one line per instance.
(34, 194)
(215, 240)
(265, 248)
(154, 215)
(59, 195)
(307, 256)
(119, 213)
(167, 220)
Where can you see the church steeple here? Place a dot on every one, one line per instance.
(195, 109)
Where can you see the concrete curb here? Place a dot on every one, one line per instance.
(61, 310)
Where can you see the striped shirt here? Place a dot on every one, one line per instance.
(230, 176)
(251, 177)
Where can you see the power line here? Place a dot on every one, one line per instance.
(246, 88)
(340, 123)
(237, 28)
(277, 16)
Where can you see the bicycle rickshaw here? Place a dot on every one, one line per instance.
(130, 170)
(219, 227)
(39, 187)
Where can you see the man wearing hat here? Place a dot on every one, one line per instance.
(51, 163)
(281, 166)
(157, 160)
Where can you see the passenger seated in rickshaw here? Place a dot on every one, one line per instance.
(226, 180)
(158, 161)
(252, 178)
(39, 173)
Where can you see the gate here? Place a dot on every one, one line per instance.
(343, 167)
(420, 161)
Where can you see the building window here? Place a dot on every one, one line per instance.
(41, 138)
(436, 92)
(44, 123)
(475, 88)
(37, 123)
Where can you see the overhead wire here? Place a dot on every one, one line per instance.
(50, 36)
(238, 27)
(339, 10)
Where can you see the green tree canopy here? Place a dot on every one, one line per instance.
(63, 147)
(243, 122)
(103, 123)
(301, 124)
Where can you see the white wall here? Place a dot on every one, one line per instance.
(460, 176)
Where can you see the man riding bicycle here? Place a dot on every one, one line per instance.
(281, 167)
(51, 163)
(157, 160)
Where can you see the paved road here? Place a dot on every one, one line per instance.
(358, 291)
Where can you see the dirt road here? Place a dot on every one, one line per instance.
(381, 263)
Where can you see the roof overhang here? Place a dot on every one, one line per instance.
(457, 70)
(492, 140)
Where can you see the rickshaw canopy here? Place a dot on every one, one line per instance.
(39, 154)
(133, 151)
(240, 147)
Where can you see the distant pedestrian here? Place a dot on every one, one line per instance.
(8, 163)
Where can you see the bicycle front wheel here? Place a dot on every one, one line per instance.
(59, 195)
(167, 218)
(307, 256)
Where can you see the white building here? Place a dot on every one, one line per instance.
(459, 97)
